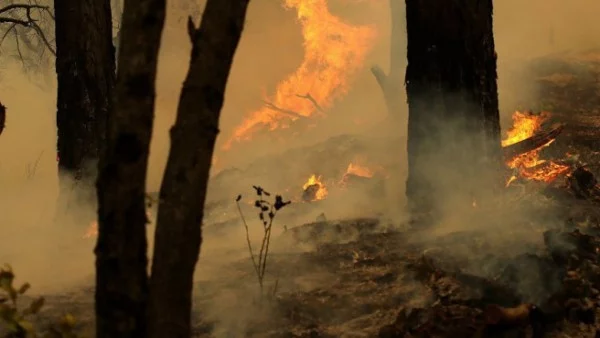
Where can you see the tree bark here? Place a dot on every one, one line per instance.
(183, 192)
(85, 69)
(454, 121)
(121, 249)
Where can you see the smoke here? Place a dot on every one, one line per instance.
(54, 257)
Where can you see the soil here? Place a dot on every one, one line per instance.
(364, 278)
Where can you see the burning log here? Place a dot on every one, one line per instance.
(532, 143)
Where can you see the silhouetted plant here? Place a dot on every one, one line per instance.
(266, 215)
(17, 322)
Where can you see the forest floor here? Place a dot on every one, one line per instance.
(526, 266)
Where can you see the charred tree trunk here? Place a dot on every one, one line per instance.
(85, 68)
(392, 83)
(454, 121)
(121, 261)
(183, 190)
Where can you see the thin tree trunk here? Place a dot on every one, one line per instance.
(391, 84)
(121, 250)
(85, 68)
(454, 122)
(183, 192)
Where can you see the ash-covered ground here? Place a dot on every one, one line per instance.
(524, 265)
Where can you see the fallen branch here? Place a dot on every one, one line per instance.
(534, 142)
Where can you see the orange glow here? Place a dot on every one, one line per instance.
(529, 165)
(524, 126)
(316, 180)
(333, 52)
(92, 230)
(358, 170)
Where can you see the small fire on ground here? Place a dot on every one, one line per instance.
(356, 170)
(314, 189)
(529, 165)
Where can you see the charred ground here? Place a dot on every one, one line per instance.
(536, 276)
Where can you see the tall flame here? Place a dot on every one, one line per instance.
(333, 52)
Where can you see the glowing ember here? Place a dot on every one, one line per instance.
(92, 230)
(358, 170)
(529, 165)
(314, 182)
(333, 52)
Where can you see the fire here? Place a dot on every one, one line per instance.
(314, 182)
(524, 126)
(529, 165)
(92, 230)
(358, 170)
(333, 52)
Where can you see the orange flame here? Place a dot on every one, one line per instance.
(359, 170)
(333, 52)
(92, 230)
(524, 126)
(316, 180)
(529, 165)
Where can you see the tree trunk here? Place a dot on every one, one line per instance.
(391, 83)
(121, 261)
(454, 123)
(183, 192)
(85, 68)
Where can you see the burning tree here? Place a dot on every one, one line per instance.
(451, 86)
(334, 51)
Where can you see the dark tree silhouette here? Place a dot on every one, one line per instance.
(184, 185)
(454, 121)
(121, 261)
(85, 69)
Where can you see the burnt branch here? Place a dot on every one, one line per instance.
(312, 100)
(380, 76)
(22, 15)
(284, 111)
